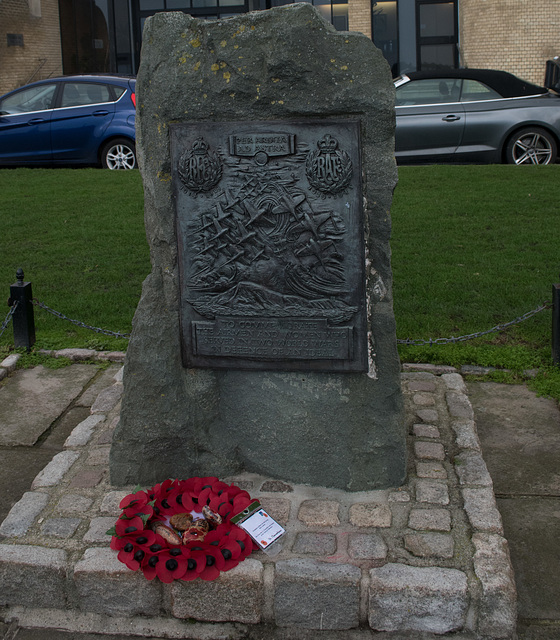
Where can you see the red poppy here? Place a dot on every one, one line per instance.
(172, 564)
(138, 499)
(195, 565)
(214, 563)
(140, 511)
(183, 502)
(221, 505)
(131, 555)
(228, 547)
(242, 539)
(241, 501)
(159, 491)
(127, 526)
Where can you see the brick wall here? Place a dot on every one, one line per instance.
(359, 16)
(40, 55)
(513, 35)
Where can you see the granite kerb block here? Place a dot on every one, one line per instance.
(82, 433)
(104, 585)
(9, 363)
(236, 596)
(54, 472)
(421, 599)
(23, 514)
(459, 405)
(316, 595)
(32, 576)
(498, 598)
(471, 469)
(481, 509)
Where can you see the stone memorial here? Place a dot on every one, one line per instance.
(264, 340)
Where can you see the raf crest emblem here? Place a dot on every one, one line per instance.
(199, 169)
(328, 169)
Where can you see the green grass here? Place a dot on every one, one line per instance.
(80, 239)
(472, 247)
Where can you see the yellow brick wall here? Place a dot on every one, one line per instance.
(513, 35)
(40, 56)
(359, 16)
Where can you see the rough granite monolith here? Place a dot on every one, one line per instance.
(335, 429)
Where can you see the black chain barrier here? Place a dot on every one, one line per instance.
(471, 336)
(8, 318)
(408, 341)
(106, 332)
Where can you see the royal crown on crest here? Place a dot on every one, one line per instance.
(327, 144)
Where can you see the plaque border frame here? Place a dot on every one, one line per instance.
(360, 360)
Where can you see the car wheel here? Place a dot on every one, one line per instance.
(531, 145)
(119, 154)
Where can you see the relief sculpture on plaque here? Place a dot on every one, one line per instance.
(269, 225)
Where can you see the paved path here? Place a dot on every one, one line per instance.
(520, 438)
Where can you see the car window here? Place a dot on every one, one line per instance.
(84, 93)
(474, 90)
(32, 99)
(429, 91)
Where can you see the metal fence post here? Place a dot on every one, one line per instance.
(23, 319)
(556, 324)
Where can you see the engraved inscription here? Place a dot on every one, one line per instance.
(261, 251)
(272, 144)
(272, 339)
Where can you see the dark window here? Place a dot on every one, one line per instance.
(437, 37)
(84, 33)
(15, 39)
(385, 31)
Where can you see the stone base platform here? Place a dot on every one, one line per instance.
(428, 558)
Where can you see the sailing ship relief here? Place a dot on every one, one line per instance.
(270, 236)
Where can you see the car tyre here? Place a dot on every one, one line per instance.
(531, 145)
(119, 153)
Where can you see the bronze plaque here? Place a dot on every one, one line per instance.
(271, 252)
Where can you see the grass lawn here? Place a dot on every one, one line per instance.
(79, 236)
(472, 247)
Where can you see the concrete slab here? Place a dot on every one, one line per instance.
(18, 467)
(520, 438)
(35, 398)
(532, 528)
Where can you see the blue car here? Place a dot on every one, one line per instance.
(87, 120)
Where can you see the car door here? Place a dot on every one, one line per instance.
(487, 119)
(430, 118)
(25, 125)
(84, 112)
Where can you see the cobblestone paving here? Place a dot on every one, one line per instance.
(427, 557)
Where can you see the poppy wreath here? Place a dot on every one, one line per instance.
(222, 548)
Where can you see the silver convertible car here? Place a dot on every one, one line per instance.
(477, 115)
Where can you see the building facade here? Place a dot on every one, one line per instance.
(30, 45)
(43, 38)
